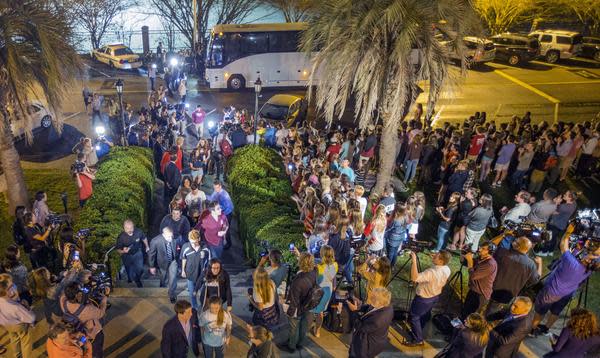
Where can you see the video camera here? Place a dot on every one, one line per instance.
(417, 246)
(536, 233)
(77, 167)
(83, 234)
(55, 219)
(586, 228)
(99, 281)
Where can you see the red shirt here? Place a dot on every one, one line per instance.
(333, 149)
(167, 158)
(85, 191)
(477, 142)
(212, 227)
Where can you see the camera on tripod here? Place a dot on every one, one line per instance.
(417, 246)
(83, 234)
(536, 233)
(55, 219)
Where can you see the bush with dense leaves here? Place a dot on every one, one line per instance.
(261, 193)
(123, 189)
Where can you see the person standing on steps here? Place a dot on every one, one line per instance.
(221, 196)
(172, 175)
(129, 245)
(163, 255)
(178, 223)
(181, 334)
(152, 75)
(216, 227)
(193, 257)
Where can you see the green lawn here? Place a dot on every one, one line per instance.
(53, 182)
(502, 197)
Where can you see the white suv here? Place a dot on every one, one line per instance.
(558, 44)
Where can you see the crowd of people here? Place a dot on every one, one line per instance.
(353, 238)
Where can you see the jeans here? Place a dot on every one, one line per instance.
(216, 251)
(517, 178)
(410, 170)
(349, 270)
(392, 252)
(442, 234)
(420, 313)
(298, 329)
(192, 289)
(152, 79)
(134, 265)
(208, 351)
(168, 278)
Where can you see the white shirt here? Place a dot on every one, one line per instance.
(362, 201)
(589, 145)
(191, 198)
(12, 313)
(515, 214)
(431, 281)
(259, 299)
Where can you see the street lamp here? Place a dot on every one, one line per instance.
(119, 86)
(257, 89)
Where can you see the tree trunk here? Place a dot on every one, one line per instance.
(16, 190)
(387, 153)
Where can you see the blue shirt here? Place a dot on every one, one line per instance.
(349, 173)
(566, 277)
(102, 148)
(224, 201)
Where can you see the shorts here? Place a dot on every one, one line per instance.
(545, 303)
(565, 162)
(500, 167)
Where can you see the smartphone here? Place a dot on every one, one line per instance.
(292, 247)
(76, 255)
(82, 340)
(456, 323)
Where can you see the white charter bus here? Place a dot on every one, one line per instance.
(238, 54)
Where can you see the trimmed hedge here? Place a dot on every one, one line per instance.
(261, 192)
(123, 189)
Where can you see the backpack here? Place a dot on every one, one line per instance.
(226, 148)
(443, 323)
(315, 295)
(73, 318)
(338, 320)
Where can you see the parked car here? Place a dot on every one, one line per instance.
(478, 50)
(515, 49)
(284, 107)
(558, 45)
(117, 56)
(591, 48)
(41, 118)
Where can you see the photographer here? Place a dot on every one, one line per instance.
(369, 336)
(429, 287)
(376, 271)
(568, 273)
(515, 271)
(65, 342)
(36, 238)
(277, 270)
(580, 336)
(78, 312)
(559, 220)
(129, 245)
(481, 279)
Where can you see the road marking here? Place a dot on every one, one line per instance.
(100, 72)
(560, 66)
(437, 116)
(71, 116)
(497, 111)
(585, 74)
(527, 86)
(566, 83)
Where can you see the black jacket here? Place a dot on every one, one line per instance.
(172, 176)
(157, 256)
(174, 343)
(224, 286)
(238, 138)
(465, 345)
(507, 336)
(180, 228)
(341, 248)
(300, 292)
(370, 332)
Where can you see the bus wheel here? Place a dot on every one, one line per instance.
(236, 82)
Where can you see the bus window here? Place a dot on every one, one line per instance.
(233, 48)
(283, 41)
(254, 43)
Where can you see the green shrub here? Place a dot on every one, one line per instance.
(123, 189)
(261, 192)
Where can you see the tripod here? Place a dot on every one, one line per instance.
(402, 314)
(456, 277)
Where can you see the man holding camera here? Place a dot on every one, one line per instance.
(516, 270)
(369, 336)
(129, 245)
(76, 308)
(481, 279)
(429, 287)
(568, 273)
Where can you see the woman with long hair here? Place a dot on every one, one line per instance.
(397, 233)
(13, 265)
(376, 235)
(326, 271)
(263, 298)
(262, 345)
(215, 326)
(377, 272)
(478, 220)
(447, 217)
(580, 336)
(43, 287)
(466, 205)
(470, 340)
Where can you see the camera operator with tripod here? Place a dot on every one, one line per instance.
(568, 273)
(429, 287)
(482, 274)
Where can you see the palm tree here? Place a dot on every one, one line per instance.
(368, 49)
(36, 60)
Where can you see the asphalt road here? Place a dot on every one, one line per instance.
(568, 91)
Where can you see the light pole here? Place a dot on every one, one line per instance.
(119, 87)
(257, 89)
